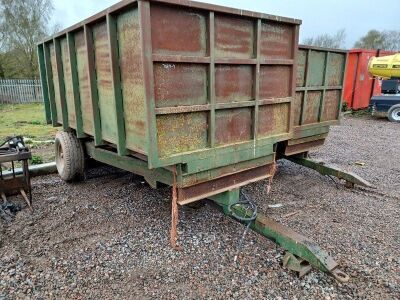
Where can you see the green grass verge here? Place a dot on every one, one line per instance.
(25, 119)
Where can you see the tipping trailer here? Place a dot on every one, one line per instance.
(196, 96)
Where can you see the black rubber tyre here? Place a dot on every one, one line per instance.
(394, 113)
(70, 158)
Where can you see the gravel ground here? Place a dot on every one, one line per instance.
(108, 237)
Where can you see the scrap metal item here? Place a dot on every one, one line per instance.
(11, 151)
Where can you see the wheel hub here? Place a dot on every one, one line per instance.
(60, 157)
(396, 114)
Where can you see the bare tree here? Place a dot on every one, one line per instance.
(374, 39)
(22, 24)
(336, 40)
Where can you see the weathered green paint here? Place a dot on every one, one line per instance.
(319, 90)
(329, 170)
(211, 86)
(67, 79)
(130, 164)
(56, 83)
(256, 90)
(132, 85)
(325, 82)
(157, 95)
(93, 85)
(283, 236)
(342, 91)
(50, 85)
(186, 178)
(148, 80)
(116, 85)
(75, 85)
(306, 84)
(104, 84)
(43, 78)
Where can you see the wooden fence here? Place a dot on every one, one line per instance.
(14, 91)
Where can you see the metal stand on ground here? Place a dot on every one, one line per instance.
(14, 150)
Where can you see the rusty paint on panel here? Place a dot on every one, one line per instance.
(69, 93)
(104, 83)
(132, 80)
(180, 84)
(273, 119)
(178, 30)
(335, 69)
(233, 125)
(179, 133)
(301, 68)
(234, 37)
(56, 85)
(311, 108)
(303, 147)
(297, 104)
(233, 83)
(331, 105)
(277, 40)
(275, 81)
(222, 184)
(84, 88)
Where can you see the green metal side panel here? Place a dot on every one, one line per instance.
(84, 88)
(319, 85)
(319, 89)
(221, 91)
(104, 83)
(56, 86)
(42, 70)
(131, 76)
(178, 83)
(181, 133)
(69, 94)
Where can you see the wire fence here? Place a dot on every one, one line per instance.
(15, 91)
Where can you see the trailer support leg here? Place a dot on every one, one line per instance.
(303, 251)
(174, 215)
(350, 178)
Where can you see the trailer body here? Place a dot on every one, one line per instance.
(207, 93)
(196, 96)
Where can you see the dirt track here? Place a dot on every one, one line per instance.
(107, 237)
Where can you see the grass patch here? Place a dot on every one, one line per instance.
(27, 120)
(36, 160)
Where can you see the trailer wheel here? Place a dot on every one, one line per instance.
(394, 113)
(70, 159)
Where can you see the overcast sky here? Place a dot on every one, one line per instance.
(319, 16)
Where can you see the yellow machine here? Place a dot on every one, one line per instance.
(386, 67)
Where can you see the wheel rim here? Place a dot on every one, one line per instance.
(396, 114)
(60, 157)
